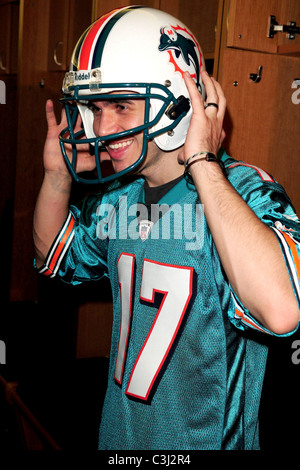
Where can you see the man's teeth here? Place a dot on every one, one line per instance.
(120, 145)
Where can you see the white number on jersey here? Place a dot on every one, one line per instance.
(175, 283)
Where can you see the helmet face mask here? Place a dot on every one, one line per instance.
(145, 65)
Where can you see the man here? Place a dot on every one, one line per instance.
(201, 251)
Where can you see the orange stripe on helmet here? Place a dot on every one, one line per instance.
(89, 41)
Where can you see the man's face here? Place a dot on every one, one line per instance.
(113, 116)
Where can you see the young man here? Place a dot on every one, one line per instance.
(201, 251)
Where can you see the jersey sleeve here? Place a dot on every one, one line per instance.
(267, 198)
(78, 254)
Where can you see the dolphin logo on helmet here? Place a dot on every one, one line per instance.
(184, 47)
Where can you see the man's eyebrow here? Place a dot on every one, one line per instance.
(121, 100)
(113, 100)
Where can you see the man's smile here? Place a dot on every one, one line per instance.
(119, 145)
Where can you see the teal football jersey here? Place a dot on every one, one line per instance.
(187, 359)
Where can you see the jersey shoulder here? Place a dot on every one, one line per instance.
(239, 168)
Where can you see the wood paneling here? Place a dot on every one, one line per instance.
(263, 118)
(200, 17)
(104, 6)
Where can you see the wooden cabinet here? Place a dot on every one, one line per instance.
(263, 117)
(9, 25)
(58, 35)
(248, 25)
(263, 112)
(67, 21)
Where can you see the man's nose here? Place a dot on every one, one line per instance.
(107, 124)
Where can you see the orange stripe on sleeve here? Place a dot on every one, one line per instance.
(47, 273)
(60, 247)
(247, 320)
(294, 252)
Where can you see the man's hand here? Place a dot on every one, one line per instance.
(205, 132)
(53, 160)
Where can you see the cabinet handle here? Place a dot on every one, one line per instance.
(256, 77)
(59, 43)
(1, 64)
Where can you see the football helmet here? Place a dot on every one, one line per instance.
(137, 50)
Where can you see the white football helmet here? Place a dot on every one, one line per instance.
(132, 49)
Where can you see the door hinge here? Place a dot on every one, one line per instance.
(273, 28)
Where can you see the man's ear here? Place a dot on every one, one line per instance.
(180, 156)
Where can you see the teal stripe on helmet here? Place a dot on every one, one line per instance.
(105, 32)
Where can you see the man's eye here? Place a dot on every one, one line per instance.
(94, 109)
(120, 107)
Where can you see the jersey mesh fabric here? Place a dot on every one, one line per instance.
(205, 393)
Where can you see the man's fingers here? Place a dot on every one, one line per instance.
(214, 94)
(196, 98)
(211, 92)
(50, 116)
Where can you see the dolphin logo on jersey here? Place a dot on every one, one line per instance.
(182, 46)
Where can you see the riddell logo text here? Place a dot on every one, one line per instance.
(82, 76)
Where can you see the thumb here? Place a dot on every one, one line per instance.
(50, 116)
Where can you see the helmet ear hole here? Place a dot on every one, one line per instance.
(175, 110)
